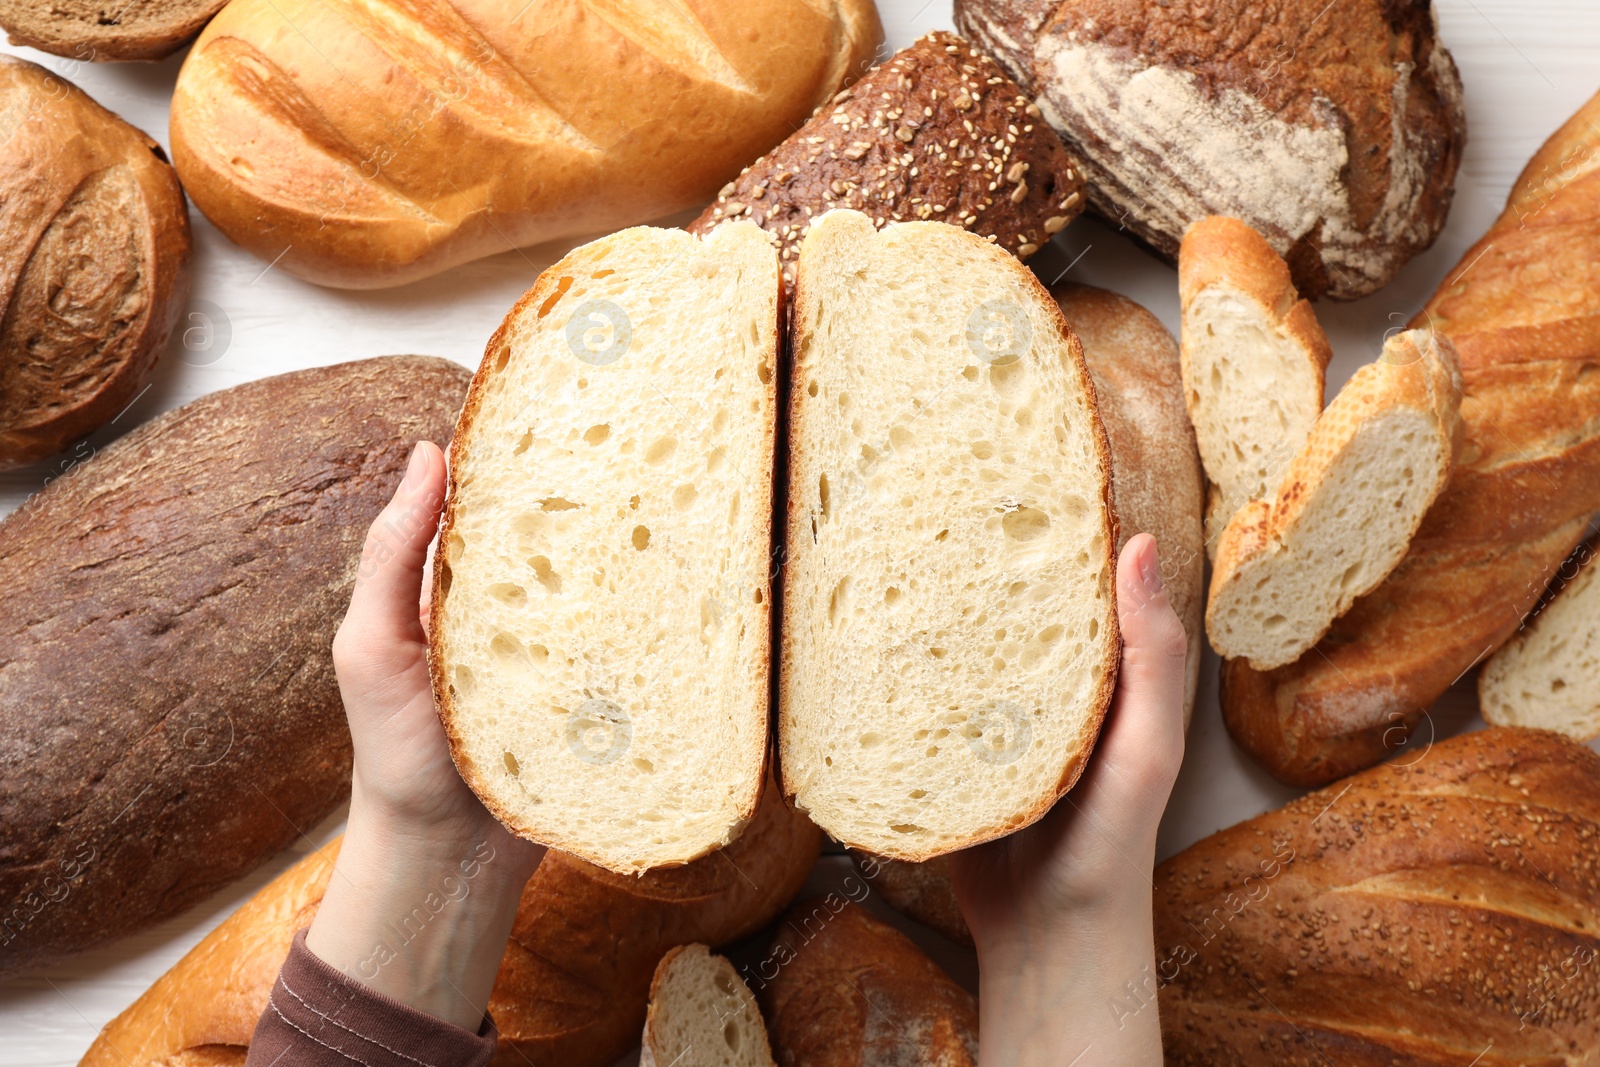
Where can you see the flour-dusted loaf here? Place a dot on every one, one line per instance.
(938, 133)
(1549, 674)
(94, 262)
(573, 983)
(851, 991)
(95, 31)
(1347, 509)
(949, 628)
(1254, 361)
(1333, 127)
(1520, 309)
(600, 627)
(1438, 911)
(702, 1015)
(369, 144)
(169, 716)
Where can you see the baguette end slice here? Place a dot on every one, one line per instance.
(950, 636)
(600, 641)
(1347, 509)
(702, 1015)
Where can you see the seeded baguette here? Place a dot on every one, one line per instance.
(702, 1015)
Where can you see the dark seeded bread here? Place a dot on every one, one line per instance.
(94, 30)
(169, 716)
(900, 145)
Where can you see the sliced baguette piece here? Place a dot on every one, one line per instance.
(702, 1015)
(1254, 363)
(600, 634)
(1548, 676)
(1347, 509)
(949, 631)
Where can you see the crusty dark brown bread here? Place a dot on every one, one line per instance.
(901, 144)
(1439, 911)
(169, 716)
(574, 981)
(1523, 312)
(94, 262)
(94, 30)
(921, 891)
(850, 991)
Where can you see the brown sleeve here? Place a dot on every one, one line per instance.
(320, 1017)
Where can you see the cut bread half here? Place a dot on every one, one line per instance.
(949, 629)
(600, 636)
(1254, 360)
(702, 1015)
(1347, 509)
(1548, 675)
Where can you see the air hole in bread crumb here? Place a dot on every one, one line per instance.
(917, 794)
(661, 450)
(970, 373)
(454, 547)
(941, 535)
(719, 421)
(764, 372)
(444, 577)
(869, 739)
(644, 766)
(597, 275)
(839, 600)
(594, 435)
(538, 653)
(509, 593)
(633, 503)
(827, 761)
(824, 497)
(891, 596)
(1025, 524)
(982, 450)
(905, 828)
(937, 652)
(1094, 629)
(731, 1036)
(811, 390)
(502, 358)
(511, 765)
(716, 460)
(523, 443)
(758, 596)
(641, 537)
(545, 573)
(505, 646)
(561, 290)
(465, 680)
(557, 503)
(683, 497)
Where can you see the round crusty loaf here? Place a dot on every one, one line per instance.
(94, 262)
(87, 30)
(1334, 127)
(365, 145)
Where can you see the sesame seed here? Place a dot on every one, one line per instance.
(904, 134)
(1016, 172)
(1019, 192)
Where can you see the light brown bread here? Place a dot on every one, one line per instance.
(1519, 308)
(573, 984)
(702, 1015)
(1347, 509)
(445, 132)
(921, 891)
(901, 144)
(89, 31)
(600, 639)
(1438, 911)
(94, 262)
(1333, 127)
(169, 717)
(949, 629)
(851, 990)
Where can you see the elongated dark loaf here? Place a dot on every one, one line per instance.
(1438, 911)
(168, 711)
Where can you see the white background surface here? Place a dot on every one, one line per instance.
(1527, 65)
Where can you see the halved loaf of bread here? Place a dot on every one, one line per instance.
(1548, 676)
(1347, 509)
(702, 1015)
(1254, 360)
(600, 634)
(949, 627)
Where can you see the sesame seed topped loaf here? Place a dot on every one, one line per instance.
(938, 133)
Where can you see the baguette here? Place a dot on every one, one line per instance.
(1549, 674)
(573, 984)
(1520, 309)
(87, 30)
(445, 132)
(938, 133)
(1347, 509)
(851, 990)
(600, 634)
(949, 631)
(702, 1015)
(94, 268)
(1254, 364)
(1438, 911)
(170, 716)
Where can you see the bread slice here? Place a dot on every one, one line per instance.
(94, 30)
(1254, 361)
(949, 624)
(702, 1015)
(1347, 509)
(1548, 675)
(600, 641)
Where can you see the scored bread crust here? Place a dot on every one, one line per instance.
(796, 520)
(547, 287)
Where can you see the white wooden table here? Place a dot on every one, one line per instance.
(1527, 65)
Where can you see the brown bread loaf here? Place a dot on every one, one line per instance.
(96, 31)
(1439, 911)
(94, 262)
(1521, 309)
(1333, 127)
(169, 717)
(448, 131)
(850, 990)
(573, 984)
(938, 132)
